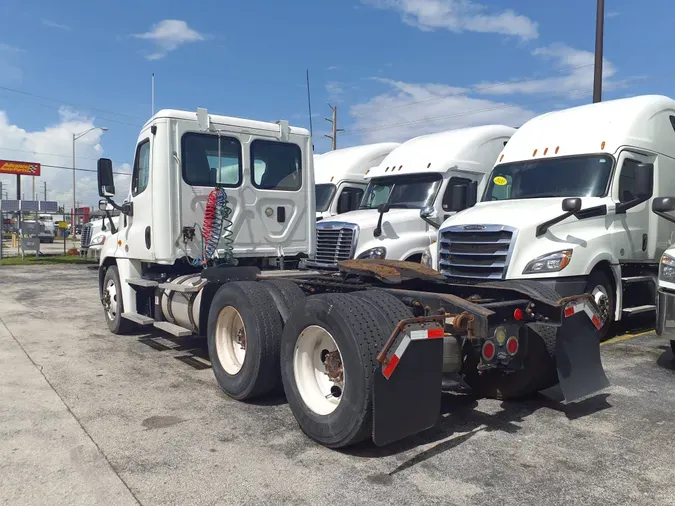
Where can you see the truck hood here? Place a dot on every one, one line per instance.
(515, 213)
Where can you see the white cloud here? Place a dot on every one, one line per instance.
(411, 109)
(333, 67)
(576, 74)
(10, 72)
(335, 90)
(54, 24)
(612, 14)
(53, 146)
(460, 15)
(168, 35)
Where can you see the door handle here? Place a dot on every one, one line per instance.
(281, 214)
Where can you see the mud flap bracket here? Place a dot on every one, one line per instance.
(407, 394)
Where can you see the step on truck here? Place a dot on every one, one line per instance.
(420, 183)
(219, 216)
(568, 205)
(340, 176)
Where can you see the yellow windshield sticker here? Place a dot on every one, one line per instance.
(500, 180)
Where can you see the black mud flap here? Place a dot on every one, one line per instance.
(407, 396)
(580, 370)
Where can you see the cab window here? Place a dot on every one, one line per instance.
(627, 180)
(204, 165)
(141, 173)
(276, 165)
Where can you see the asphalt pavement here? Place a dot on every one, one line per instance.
(87, 417)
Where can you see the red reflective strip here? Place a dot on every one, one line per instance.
(569, 311)
(596, 322)
(435, 333)
(390, 367)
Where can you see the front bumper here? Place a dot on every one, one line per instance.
(665, 314)
(566, 287)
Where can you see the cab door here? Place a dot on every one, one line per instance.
(630, 228)
(137, 236)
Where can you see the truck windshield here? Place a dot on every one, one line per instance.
(324, 195)
(405, 191)
(574, 176)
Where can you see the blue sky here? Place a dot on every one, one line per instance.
(394, 68)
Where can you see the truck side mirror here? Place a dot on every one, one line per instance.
(103, 205)
(571, 205)
(663, 204)
(345, 202)
(383, 208)
(428, 214)
(459, 198)
(106, 183)
(472, 197)
(644, 180)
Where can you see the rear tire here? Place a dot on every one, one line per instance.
(243, 334)
(358, 335)
(113, 306)
(286, 295)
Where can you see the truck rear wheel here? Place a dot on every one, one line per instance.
(243, 334)
(328, 363)
(538, 373)
(111, 297)
(286, 295)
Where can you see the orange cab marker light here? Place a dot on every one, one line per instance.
(534, 153)
(429, 165)
(546, 151)
(556, 149)
(367, 171)
(331, 179)
(602, 145)
(119, 243)
(501, 158)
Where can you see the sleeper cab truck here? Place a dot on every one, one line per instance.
(568, 205)
(219, 215)
(665, 301)
(340, 177)
(423, 181)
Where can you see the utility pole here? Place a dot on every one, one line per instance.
(599, 37)
(45, 183)
(335, 128)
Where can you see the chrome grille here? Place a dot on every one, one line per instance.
(475, 252)
(85, 237)
(334, 243)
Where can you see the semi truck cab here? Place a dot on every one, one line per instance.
(568, 202)
(417, 186)
(341, 176)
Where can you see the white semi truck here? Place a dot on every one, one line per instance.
(94, 234)
(360, 353)
(567, 204)
(340, 176)
(439, 174)
(665, 301)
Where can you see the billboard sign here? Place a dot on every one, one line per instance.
(19, 168)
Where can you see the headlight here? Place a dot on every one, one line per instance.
(551, 262)
(427, 260)
(98, 240)
(378, 252)
(667, 269)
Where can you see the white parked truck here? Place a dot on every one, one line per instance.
(360, 353)
(94, 234)
(567, 204)
(665, 301)
(340, 176)
(438, 174)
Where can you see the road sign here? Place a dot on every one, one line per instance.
(63, 224)
(19, 168)
(31, 244)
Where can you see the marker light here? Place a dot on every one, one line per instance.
(518, 314)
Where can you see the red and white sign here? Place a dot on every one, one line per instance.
(577, 307)
(413, 335)
(19, 168)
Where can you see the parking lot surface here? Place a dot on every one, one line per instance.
(87, 417)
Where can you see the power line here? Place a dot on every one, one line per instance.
(81, 170)
(52, 154)
(503, 106)
(70, 104)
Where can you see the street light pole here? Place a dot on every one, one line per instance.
(599, 37)
(75, 137)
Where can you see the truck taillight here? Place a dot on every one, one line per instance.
(512, 345)
(488, 351)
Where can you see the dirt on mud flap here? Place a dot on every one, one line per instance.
(580, 370)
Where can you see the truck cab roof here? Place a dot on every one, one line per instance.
(266, 126)
(349, 163)
(646, 121)
(441, 151)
